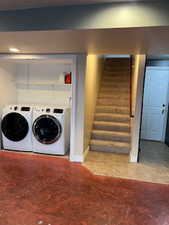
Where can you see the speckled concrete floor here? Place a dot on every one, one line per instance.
(39, 189)
(153, 165)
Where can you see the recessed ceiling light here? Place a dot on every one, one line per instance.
(14, 50)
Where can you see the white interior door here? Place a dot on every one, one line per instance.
(155, 103)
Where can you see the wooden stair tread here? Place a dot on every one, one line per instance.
(113, 123)
(118, 133)
(109, 108)
(113, 115)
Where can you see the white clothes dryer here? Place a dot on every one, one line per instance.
(51, 130)
(16, 128)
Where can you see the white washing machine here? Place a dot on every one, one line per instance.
(51, 130)
(16, 127)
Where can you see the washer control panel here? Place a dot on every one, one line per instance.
(60, 111)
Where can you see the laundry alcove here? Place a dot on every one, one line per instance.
(40, 81)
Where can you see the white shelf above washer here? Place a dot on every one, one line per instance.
(41, 84)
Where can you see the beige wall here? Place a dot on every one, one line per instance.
(93, 74)
(7, 84)
(135, 68)
(137, 95)
(34, 83)
(42, 83)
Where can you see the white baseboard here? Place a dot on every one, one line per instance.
(80, 158)
(133, 158)
(77, 158)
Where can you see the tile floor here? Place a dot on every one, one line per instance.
(37, 189)
(153, 166)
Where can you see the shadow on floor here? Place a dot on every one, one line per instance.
(155, 153)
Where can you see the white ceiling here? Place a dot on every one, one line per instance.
(21, 4)
(107, 41)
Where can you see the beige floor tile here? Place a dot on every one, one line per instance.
(153, 165)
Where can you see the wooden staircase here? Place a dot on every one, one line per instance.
(111, 128)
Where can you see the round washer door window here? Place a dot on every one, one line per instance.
(47, 129)
(14, 127)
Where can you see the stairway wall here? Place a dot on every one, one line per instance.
(135, 72)
(92, 82)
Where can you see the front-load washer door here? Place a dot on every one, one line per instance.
(47, 129)
(14, 127)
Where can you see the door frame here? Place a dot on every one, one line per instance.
(159, 68)
(77, 62)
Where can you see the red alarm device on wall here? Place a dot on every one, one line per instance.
(68, 78)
